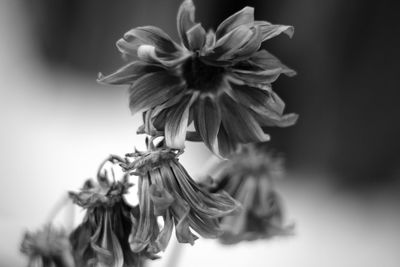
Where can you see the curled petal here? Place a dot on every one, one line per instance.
(152, 89)
(252, 45)
(270, 30)
(284, 121)
(148, 53)
(265, 60)
(185, 20)
(257, 77)
(242, 17)
(196, 37)
(129, 73)
(231, 42)
(147, 35)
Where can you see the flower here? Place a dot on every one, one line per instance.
(102, 239)
(220, 81)
(165, 190)
(248, 177)
(48, 247)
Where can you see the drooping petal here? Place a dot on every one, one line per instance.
(152, 89)
(207, 120)
(267, 61)
(129, 73)
(141, 238)
(147, 35)
(270, 30)
(240, 124)
(242, 17)
(176, 125)
(185, 20)
(196, 37)
(160, 197)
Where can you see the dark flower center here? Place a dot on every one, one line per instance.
(200, 76)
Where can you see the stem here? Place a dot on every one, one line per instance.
(62, 202)
(175, 253)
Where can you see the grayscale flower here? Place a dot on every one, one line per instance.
(166, 191)
(102, 238)
(48, 247)
(248, 176)
(220, 81)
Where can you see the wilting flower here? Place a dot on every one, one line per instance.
(166, 190)
(48, 247)
(220, 81)
(249, 178)
(102, 238)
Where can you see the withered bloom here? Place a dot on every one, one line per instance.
(248, 176)
(220, 81)
(48, 247)
(102, 238)
(166, 190)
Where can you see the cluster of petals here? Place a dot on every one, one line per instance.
(219, 81)
(102, 239)
(165, 190)
(48, 247)
(249, 177)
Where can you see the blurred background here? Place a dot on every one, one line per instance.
(343, 156)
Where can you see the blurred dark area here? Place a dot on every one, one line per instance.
(346, 54)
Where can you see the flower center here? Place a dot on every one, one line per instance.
(200, 76)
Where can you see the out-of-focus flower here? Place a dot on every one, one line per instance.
(248, 176)
(219, 80)
(48, 247)
(102, 239)
(166, 190)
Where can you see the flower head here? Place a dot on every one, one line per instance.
(48, 247)
(248, 177)
(166, 191)
(102, 238)
(220, 81)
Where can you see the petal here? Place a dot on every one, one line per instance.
(256, 77)
(249, 48)
(129, 73)
(177, 123)
(240, 124)
(149, 54)
(267, 61)
(160, 197)
(165, 235)
(152, 89)
(259, 101)
(185, 20)
(226, 145)
(231, 42)
(207, 120)
(180, 209)
(196, 37)
(270, 30)
(147, 35)
(284, 121)
(242, 17)
(147, 226)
